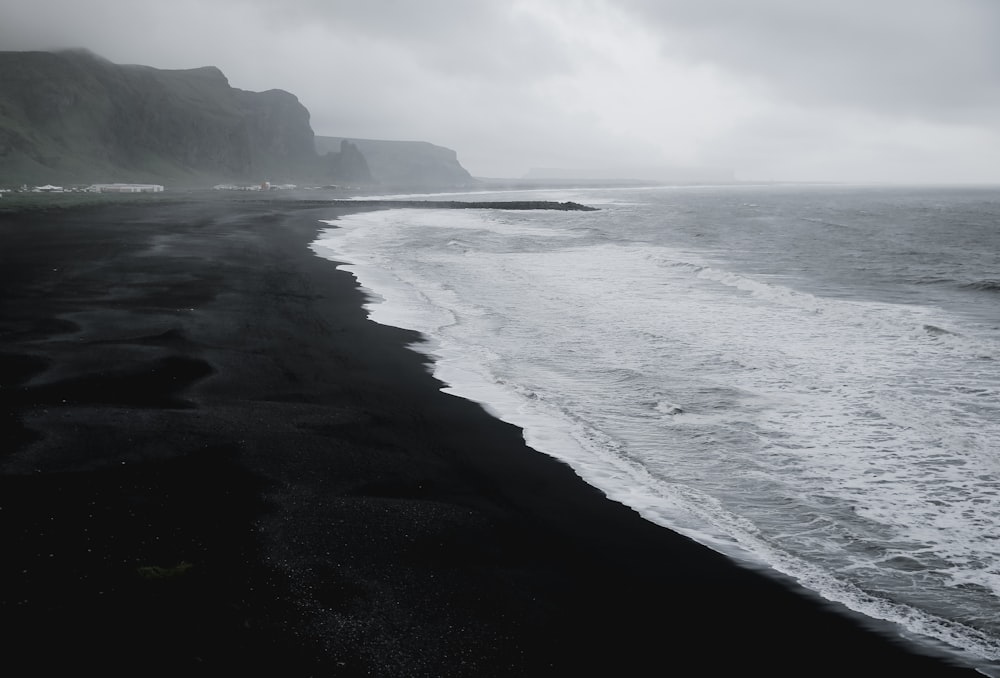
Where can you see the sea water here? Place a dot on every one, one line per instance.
(804, 378)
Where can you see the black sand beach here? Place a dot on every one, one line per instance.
(211, 463)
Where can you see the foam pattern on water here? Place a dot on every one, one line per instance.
(848, 443)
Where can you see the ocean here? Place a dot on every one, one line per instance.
(806, 378)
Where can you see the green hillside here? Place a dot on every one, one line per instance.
(73, 117)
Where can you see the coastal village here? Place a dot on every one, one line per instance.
(142, 188)
(92, 188)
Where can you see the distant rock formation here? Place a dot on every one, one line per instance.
(404, 165)
(348, 164)
(74, 117)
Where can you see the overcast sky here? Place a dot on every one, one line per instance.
(845, 90)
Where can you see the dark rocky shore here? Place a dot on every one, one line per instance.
(212, 464)
(567, 206)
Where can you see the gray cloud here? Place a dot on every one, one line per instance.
(450, 37)
(784, 89)
(938, 59)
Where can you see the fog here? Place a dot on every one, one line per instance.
(845, 90)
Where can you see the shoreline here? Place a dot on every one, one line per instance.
(405, 295)
(565, 206)
(217, 463)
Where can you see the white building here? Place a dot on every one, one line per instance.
(126, 188)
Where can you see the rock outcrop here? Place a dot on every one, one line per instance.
(348, 164)
(404, 165)
(73, 117)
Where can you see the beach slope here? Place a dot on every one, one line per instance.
(212, 463)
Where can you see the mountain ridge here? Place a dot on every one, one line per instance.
(72, 116)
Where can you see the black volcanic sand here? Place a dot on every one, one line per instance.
(213, 464)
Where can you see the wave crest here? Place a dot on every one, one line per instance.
(988, 285)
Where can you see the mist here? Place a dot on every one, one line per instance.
(891, 91)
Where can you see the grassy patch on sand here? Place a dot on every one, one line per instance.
(159, 572)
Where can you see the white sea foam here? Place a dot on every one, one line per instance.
(541, 194)
(838, 441)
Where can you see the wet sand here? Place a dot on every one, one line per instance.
(211, 463)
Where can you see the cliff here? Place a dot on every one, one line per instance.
(73, 117)
(406, 165)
